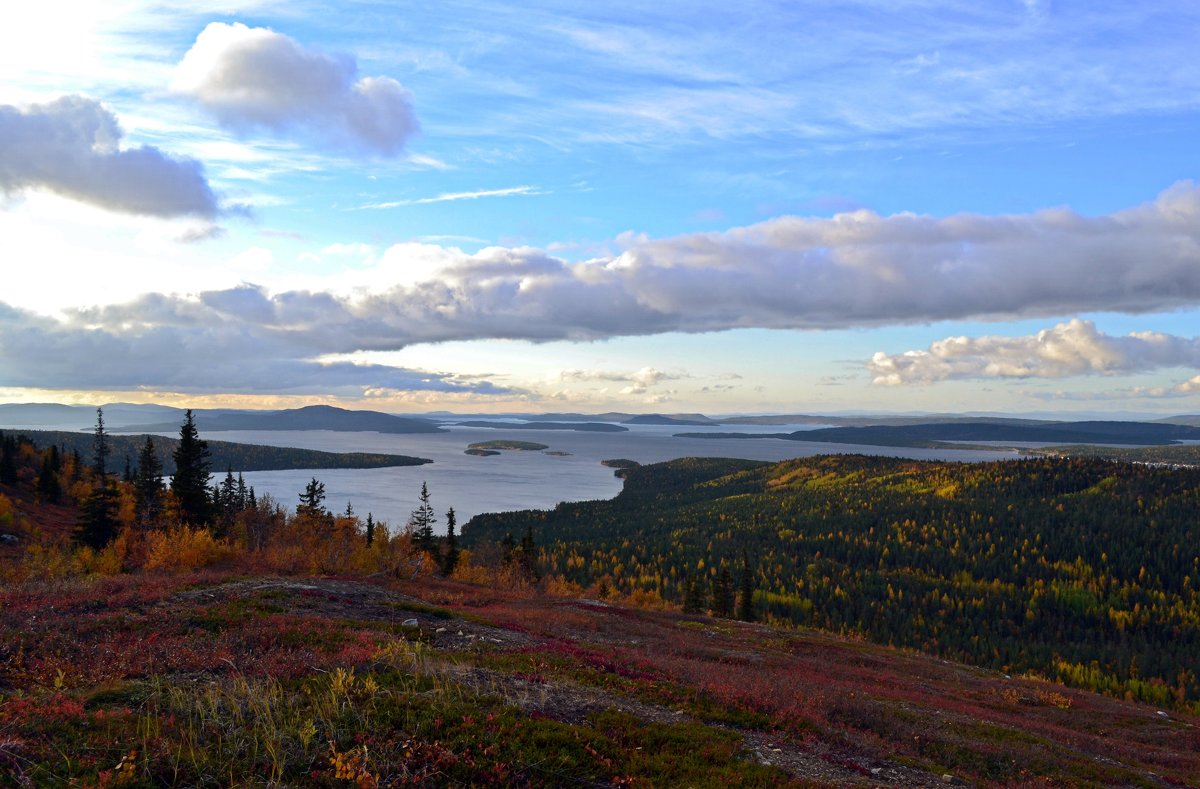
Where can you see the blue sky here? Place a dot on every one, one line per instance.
(475, 206)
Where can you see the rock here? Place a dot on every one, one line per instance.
(440, 630)
(9, 539)
(410, 623)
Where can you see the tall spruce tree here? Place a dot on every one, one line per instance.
(100, 448)
(745, 610)
(693, 594)
(49, 486)
(370, 529)
(192, 470)
(421, 521)
(148, 486)
(450, 557)
(311, 500)
(8, 459)
(98, 511)
(722, 593)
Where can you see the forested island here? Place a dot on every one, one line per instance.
(1082, 570)
(485, 448)
(224, 454)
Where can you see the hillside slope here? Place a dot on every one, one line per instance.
(221, 678)
(1080, 569)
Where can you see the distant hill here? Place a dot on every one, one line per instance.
(313, 417)
(1182, 419)
(581, 427)
(1015, 431)
(660, 419)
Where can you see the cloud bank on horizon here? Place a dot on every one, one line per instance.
(852, 270)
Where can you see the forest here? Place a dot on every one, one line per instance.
(1080, 570)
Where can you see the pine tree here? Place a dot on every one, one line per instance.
(226, 500)
(722, 593)
(148, 485)
(420, 523)
(693, 595)
(98, 515)
(745, 610)
(508, 547)
(100, 448)
(311, 499)
(192, 471)
(450, 559)
(8, 460)
(370, 530)
(49, 487)
(98, 512)
(529, 555)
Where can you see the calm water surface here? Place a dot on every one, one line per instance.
(517, 480)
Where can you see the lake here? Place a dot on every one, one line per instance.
(517, 480)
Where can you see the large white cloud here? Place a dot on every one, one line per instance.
(1067, 349)
(71, 146)
(255, 77)
(857, 269)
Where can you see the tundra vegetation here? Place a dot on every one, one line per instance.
(245, 643)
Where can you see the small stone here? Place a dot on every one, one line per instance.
(440, 630)
(410, 623)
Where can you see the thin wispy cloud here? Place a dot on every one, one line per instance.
(449, 197)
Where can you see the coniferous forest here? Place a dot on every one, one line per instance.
(1080, 570)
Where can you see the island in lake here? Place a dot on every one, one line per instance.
(485, 448)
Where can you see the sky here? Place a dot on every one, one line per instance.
(800, 206)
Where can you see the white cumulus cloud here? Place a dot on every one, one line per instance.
(253, 77)
(71, 146)
(1067, 349)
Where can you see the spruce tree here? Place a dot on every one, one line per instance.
(745, 610)
(421, 522)
(370, 530)
(148, 485)
(693, 594)
(192, 470)
(49, 487)
(8, 459)
(529, 555)
(100, 448)
(450, 559)
(722, 593)
(98, 512)
(311, 498)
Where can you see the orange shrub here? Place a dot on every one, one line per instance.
(184, 548)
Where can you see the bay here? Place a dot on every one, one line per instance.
(516, 480)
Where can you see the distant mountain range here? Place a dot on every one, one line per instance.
(131, 417)
(313, 417)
